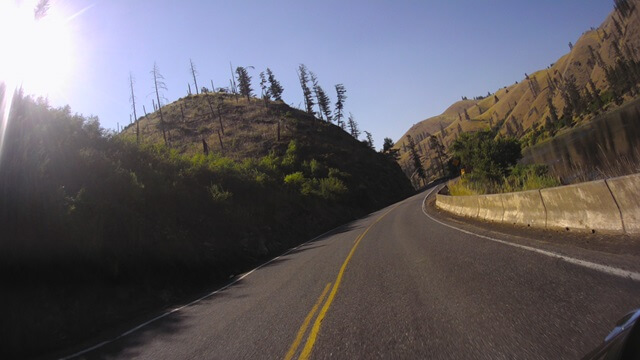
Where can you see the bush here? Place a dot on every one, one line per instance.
(488, 158)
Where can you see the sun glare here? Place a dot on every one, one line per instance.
(37, 54)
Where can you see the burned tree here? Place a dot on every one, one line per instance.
(194, 73)
(158, 83)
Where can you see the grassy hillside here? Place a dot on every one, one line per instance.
(522, 109)
(97, 228)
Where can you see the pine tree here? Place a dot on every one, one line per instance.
(369, 139)
(314, 86)
(340, 98)
(443, 131)
(387, 144)
(303, 76)
(436, 145)
(325, 103)
(417, 163)
(353, 126)
(275, 89)
(553, 113)
(244, 82)
(266, 95)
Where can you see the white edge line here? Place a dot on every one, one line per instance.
(138, 327)
(593, 266)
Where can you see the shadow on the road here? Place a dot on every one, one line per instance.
(131, 345)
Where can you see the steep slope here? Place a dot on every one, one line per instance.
(243, 130)
(522, 109)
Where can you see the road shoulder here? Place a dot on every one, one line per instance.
(620, 251)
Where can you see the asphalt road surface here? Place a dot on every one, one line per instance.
(397, 285)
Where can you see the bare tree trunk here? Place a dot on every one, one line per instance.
(135, 116)
(213, 114)
(205, 147)
(278, 130)
(189, 87)
(182, 113)
(164, 134)
(194, 73)
(212, 88)
(220, 138)
(220, 118)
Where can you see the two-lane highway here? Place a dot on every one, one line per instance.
(395, 284)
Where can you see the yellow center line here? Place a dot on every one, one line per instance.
(305, 324)
(313, 335)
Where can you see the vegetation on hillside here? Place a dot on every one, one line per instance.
(600, 72)
(489, 165)
(99, 227)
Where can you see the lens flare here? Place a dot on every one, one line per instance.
(37, 53)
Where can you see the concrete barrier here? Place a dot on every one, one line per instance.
(524, 208)
(586, 206)
(611, 206)
(626, 192)
(490, 208)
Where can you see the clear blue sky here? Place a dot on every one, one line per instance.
(401, 61)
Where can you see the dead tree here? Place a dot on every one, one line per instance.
(158, 82)
(205, 147)
(194, 73)
(220, 116)
(220, 138)
(133, 105)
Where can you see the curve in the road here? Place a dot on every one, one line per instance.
(590, 265)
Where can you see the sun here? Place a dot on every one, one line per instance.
(37, 54)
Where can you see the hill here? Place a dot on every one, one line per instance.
(591, 79)
(248, 130)
(99, 227)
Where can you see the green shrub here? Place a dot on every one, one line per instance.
(295, 180)
(219, 195)
(331, 188)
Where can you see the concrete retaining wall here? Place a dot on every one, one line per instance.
(611, 206)
(626, 192)
(524, 208)
(587, 206)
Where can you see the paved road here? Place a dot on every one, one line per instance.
(395, 285)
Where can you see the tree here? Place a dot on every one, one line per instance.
(369, 139)
(415, 158)
(553, 113)
(244, 82)
(133, 107)
(341, 96)
(387, 144)
(353, 126)
(158, 83)
(315, 86)
(389, 151)
(488, 158)
(303, 76)
(324, 103)
(266, 95)
(194, 73)
(232, 82)
(436, 145)
(573, 101)
(275, 89)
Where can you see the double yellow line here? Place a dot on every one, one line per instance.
(313, 334)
